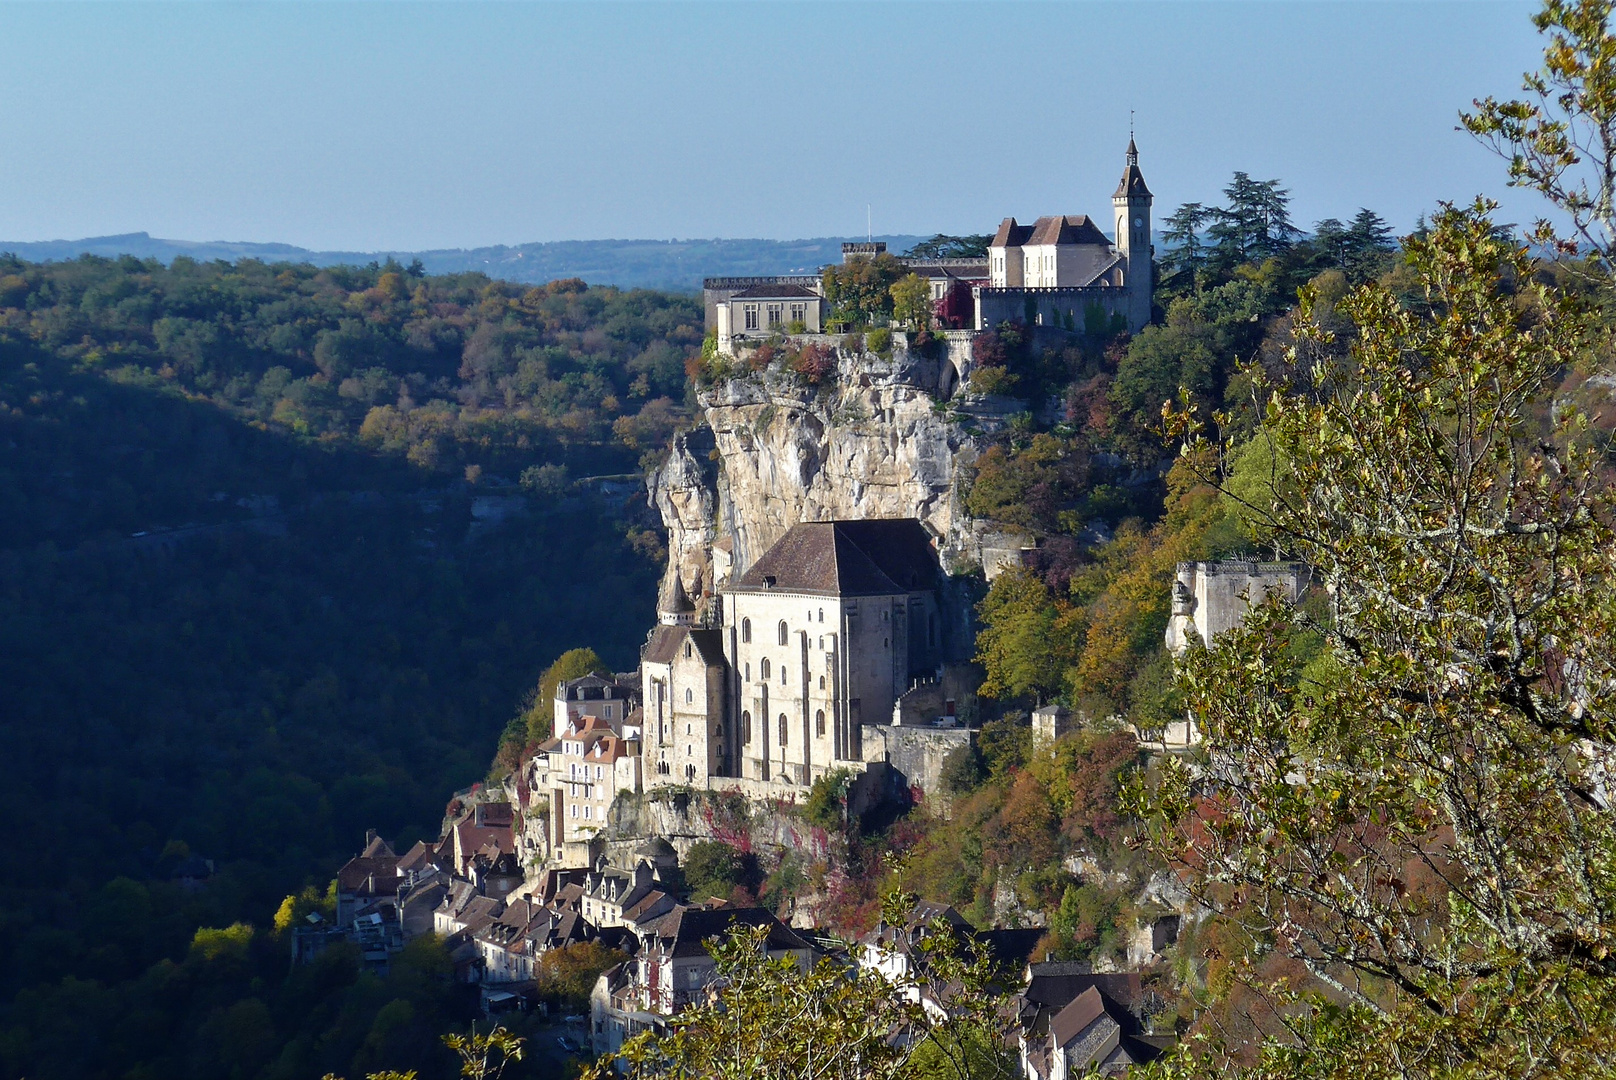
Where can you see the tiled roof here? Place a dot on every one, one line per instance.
(1054, 985)
(378, 848)
(1010, 234)
(369, 876)
(591, 688)
(881, 557)
(494, 815)
(686, 930)
(1066, 229)
(1073, 1020)
(666, 641)
(1133, 181)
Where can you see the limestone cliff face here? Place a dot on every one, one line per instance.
(880, 440)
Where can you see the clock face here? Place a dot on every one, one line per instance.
(1139, 223)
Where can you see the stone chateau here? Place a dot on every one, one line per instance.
(1061, 271)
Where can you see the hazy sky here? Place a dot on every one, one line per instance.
(409, 126)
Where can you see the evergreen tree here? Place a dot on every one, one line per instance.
(1330, 239)
(1181, 263)
(1366, 243)
(1255, 225)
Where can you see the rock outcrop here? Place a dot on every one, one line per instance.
(879, 440)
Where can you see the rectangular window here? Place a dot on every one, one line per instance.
(799, 312)
(774, 315)
(751, 316)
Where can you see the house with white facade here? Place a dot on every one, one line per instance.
(768, 308)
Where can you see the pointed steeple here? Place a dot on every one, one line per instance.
(1132, 185)
(674, 607)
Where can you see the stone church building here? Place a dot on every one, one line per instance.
(821, 635)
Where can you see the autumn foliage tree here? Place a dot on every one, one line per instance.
(1422, 829)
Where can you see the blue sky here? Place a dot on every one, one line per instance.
(409, 126)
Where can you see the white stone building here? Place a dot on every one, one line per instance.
(583, 769)
(769, 308)
(685, 716)
(1210, 598)
(1063, 271)
(822, 634)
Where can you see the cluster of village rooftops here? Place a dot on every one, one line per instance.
(835, 613)
(1060, 271)
(469, 889)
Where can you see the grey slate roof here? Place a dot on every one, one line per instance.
(663, 646)
(875, 557)
(685, 931)
(776, 292)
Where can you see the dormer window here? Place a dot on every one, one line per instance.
(769, 581)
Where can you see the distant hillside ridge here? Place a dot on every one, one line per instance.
(674, 265)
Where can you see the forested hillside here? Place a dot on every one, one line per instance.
(246, 612)
(677, 265)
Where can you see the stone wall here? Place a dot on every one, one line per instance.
(915, 753)
(1055, 308)
(1210, 598)
(683, 816)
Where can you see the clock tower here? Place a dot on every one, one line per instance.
(1132, 211)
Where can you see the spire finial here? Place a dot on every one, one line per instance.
(1133, 151)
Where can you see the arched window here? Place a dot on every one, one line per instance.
(746, 727)
(687, 650)
(819, 722)
(822, 682)
(746, 630)
(821, 614)
(763, 667)
(690, 695)
(783, 670)
(782, 729)
(785, 635)
(749, 671)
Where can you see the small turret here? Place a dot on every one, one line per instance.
(674, 607)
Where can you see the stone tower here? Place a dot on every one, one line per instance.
(1132, 204)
